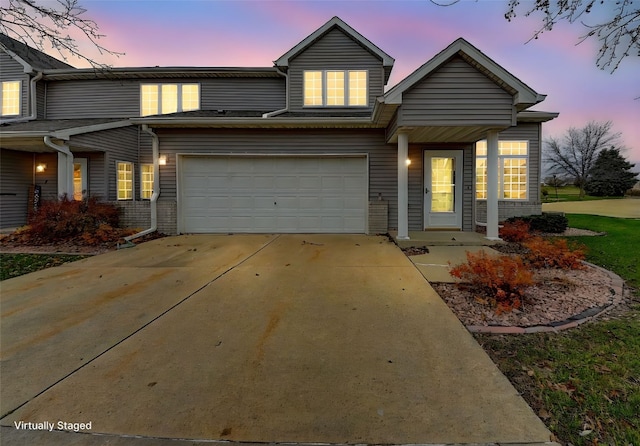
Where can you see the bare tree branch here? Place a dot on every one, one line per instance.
(619, 34)
(41, 27)
(575, 154)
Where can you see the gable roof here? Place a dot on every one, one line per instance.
(336, 22)
(524, 96)
(30, 58)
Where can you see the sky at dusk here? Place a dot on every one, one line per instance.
(255, 33)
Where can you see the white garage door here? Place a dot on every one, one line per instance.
(273, 194)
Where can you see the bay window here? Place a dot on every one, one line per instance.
(513, 158)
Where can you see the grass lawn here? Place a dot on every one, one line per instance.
(568, 193)
(13, 265)
(585, 383)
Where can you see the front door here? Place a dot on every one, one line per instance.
(79, 178)
(443, 189)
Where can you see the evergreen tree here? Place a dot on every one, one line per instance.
(611, 175)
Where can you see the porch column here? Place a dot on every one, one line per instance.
(403, 186)
(492, 185)
(65, 175)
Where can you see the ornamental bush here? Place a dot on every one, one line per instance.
(502, 279)
(553, 253)
(89, 220)
(516, 230)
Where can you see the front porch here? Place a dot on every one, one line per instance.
(418, 239)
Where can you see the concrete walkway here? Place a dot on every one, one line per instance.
(296, 338)
(622, 208)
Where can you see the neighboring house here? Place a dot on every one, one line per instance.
(312, 144)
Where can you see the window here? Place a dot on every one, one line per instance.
(513, 157)
(11, 91)
(156, 99)
(335, 88)
(146, 181)
(125, 180)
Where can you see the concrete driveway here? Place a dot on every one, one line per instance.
(252, 338)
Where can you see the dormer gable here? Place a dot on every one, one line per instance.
(336, 23)
(334, 71)
(523, 95)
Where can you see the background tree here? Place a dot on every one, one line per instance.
(611, 175)
(46, 25)
(616, 24)
(574, 155)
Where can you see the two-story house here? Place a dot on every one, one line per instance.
(310, 144)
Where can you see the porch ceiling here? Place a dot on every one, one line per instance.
(443, 133)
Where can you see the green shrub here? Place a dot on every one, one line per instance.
(547, 222)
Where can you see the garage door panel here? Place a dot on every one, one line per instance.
(273, 194)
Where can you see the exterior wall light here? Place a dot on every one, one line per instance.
(41, 168)
(408, 161)
(162, 160)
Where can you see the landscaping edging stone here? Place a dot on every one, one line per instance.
(617, 289)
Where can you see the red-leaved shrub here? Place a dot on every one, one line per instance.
(515, 231)
(89, 220)
(553, 253)
(503, 279)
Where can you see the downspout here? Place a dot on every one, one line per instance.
(65, 181)
(286, 107)
(33, 103)
(156, 191)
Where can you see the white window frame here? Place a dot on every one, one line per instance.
(347, 97)
(130, 189)
(179, 93)
(146, 185)
(2, 98)
(501, 174)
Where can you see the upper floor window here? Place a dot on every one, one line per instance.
(160, 99)
(11, 98)
(335, 88)
(513, 157)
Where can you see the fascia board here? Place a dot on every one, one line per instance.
(67, 133)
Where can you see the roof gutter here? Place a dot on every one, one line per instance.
(33, 104)
(155, 194)
(286, 107)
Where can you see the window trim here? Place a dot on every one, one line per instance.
(16, 81)
(133, 180)
(142, 181)
(501, 159)
(346, 77)
(179, 98)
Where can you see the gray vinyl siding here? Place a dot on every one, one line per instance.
(262, 94)
(99, 98)
(41, 99)
(94, 98)
(382, 157)
(456, 94)
(48, 180)
(334, 51)
(118, 145)
(10, 70)
(16, 175)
